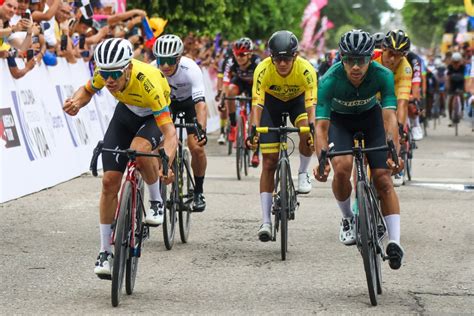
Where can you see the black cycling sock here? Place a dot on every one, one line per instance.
(198, 187)
(222, 130)
(233, 121)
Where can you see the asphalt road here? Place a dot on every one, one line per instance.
(49, 241)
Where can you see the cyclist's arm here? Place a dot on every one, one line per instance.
(170, 143)
(323, 113)
(402, 91)
(258, 95)
(311, 94)
(81, 97)
(391, 126)
(198, 95)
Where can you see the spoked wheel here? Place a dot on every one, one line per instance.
(169, 194)
(246, 161)
(135, 252)
(186, 196)
(456, 114)
(121, 243)
(240, 149)
(284, 207)
(404, 155)
(367, 241)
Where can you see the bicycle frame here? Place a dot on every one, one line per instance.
(181, 125)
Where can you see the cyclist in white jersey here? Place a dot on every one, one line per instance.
(187, 95)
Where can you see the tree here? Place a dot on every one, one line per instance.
(425, 21)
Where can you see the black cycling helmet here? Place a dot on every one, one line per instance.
(242, 45)
(397, 40)
(357, 42)
(283, 43)
(378, 37)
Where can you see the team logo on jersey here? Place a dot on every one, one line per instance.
(140, 76)
(407, 70)
(148, 85)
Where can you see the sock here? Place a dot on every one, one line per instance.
(304, 163)
(345, 207)
(417, 121)
(154, 191)
(223, 123)
(198, 187)
(233, 121)
(105, 234)
(393, 226)
(266, 202)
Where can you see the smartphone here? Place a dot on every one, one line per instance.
(25, 15)
(63, 42)
(30, 54)
(35, 39)
(82, 41)
(85, 54)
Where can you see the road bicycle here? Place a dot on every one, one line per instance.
(128, 228)
(285, 202)
(242, 153)
(370, 225)
(182, 191)
(407, 147)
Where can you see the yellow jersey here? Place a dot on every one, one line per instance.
(301, 79)
(403, 76)
(147, 87)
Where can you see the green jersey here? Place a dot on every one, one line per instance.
(336, 93)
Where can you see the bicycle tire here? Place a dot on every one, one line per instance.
(239, 151)
(378, 222)
(366, 241)
(169, 220)
(131, 267)
(284, 204)
(185, 197)
(457, 114)
(246, 161)
(122, 229)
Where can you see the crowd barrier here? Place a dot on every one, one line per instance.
(40, 145)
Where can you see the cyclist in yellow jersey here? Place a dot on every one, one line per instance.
(140, 119)
(395, 47)
(283, 82)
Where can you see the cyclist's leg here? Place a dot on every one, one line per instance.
(223, 113)
(269, 144)
(381, 175)
(118, 135)
(147, 139)
(340, 134)
(233, 90)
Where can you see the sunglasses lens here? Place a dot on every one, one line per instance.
(111, 74)
(353, 60)
(166, 60)
(279, 59)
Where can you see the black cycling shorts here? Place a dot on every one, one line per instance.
(271, 117)
(124, 126)
(344, 126)
(244, 86)
(188, 107)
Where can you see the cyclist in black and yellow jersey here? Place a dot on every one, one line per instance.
(140, 120)
(283, 82)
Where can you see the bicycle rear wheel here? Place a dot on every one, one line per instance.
(168, 192)
(135, 252)
(121, 243)
(457, 109)
(185, 196)
(284, 204)
(240, 149)
(229, 144)
(367, 245)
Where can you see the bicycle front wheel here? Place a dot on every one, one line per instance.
(284, 205)
(121, 243)
(367, 240)
(186, 194)
(240, 149)
(168, 192)
(135, 252)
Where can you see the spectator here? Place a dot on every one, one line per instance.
(7, 11)
(44, 15)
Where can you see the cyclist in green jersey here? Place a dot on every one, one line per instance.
(347, 104)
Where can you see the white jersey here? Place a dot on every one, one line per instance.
(187, 82)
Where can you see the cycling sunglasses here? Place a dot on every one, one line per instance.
(114, 74)
(242, 54)
(171, 61)
(356, 60)
(280, 58)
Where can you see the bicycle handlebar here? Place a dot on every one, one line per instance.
(130, 153)
(283, 129)
(238, 98)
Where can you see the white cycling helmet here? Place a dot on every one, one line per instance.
(113, 53)
(168, 45)
(456, 56)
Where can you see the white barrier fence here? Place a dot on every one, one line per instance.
(40, 145)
